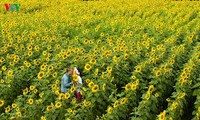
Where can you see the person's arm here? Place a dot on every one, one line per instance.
(65, 81)
(80, 80)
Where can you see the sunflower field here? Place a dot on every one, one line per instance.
(140, 59)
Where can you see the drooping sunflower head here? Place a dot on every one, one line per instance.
(1, 103)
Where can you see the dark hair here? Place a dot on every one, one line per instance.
(68, 69)
(80, 71)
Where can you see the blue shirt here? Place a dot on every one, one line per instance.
(65, 83)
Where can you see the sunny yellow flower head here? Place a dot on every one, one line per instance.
(95, 88)
(58, 104)
(1, 103)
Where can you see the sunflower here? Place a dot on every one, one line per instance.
(133, 77)
(123, 100)
(75, 77)
(37, 48)
(40, 75)
(87, 81)
(50, 68)
(1, 103)
(111, 44)
(96, 29)
(114, 59)
(168, 100)
(72, 89)
(116, 103)
(151, 88)
(87, 67)
(181, 95)
(32, 87)
(110, 110)
(104, 86)
(85, 103)
(103, 48)
(25, 91)
(67, 95)
(7, 109)
(29, 47)
(2, 81)
(109, 69)
(47, 59)
(43, 67)
(43, 118)
(95, 88)
(3, 68)
(30, 53)
(17, 109)
(125, 56)
(41, 94)
(170, 70)
(73, 100)
(95, 53)
(50, 107)
(174, 105)
(30, 101)
(44, 53)
(128, 87)
(173, 55)
(49, 47)
(28, 65)
(148, 95)
(102, 34)
(155, 69)
(19, 114)
(172, 61)
(115, 49)
(84, 89)
(39, 101)
(91, 84)
(58, 104)
(134, 87)
(61, 96)
(156, 95)
(162, 115)
(14, 105)
(158, 73)
(69, 110)
(138, 69)
(10, 73)
(182, 81)
(57, 81)
(96, 71)
(53, 86)
(93, 61)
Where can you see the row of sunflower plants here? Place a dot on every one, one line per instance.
(148, 106)
(196, 112)
(167, 85)
(196, 89)
(142, 67)
(179, 99)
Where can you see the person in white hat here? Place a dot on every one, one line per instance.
(78, 85)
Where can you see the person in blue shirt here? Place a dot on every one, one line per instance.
(66, 81)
